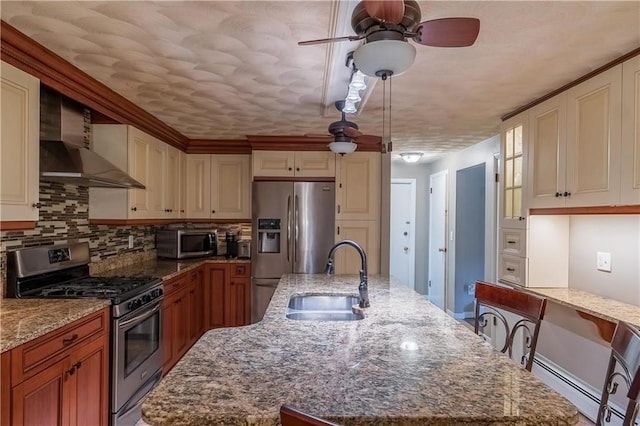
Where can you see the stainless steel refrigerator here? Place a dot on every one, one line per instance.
(293, 230)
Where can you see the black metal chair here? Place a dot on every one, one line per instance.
(624, 366)
(491, 297)
(290, 416)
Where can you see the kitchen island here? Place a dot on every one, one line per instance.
(405, 363)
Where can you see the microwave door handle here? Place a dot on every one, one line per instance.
(288, 227)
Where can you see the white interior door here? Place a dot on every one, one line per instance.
(402, 231)
(437, 237)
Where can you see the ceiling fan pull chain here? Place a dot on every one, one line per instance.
(384, 108)
(390, 103)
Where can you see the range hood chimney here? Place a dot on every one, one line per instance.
(63, 156)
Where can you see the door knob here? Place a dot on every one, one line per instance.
(405, 233)
(442, 249)
(406, 249)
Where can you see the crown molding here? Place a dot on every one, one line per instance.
(308, 143)
(218, 146)
(26, 54)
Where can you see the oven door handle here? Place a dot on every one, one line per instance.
(140, 317)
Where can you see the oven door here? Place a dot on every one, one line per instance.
(136, 353)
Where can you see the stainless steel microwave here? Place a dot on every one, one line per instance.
(186, 243)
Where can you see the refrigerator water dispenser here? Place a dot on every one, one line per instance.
(269, 235)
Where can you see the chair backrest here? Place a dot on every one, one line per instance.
(624, 367)
(290, 416)
(491, 297)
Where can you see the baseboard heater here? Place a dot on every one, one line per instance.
(582, 395)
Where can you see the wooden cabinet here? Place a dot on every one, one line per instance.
(630, 149)
(20, 145)
(513, 208)
(294, 164)
(367, 234)
(175, 321)
(358, 186)
(218, 187)
(196, 304)
(227, 294)
(59, 379)
(183, 184)
(146, 159)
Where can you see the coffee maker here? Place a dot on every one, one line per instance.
(232, 245)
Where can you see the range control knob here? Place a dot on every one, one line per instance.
(146, 298)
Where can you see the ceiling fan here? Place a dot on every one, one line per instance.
(345, 133)
(387, 22)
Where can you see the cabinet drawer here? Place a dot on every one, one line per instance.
(34, 356)
(175, 283)
(513, 241)
(512, 269)
(240, 270)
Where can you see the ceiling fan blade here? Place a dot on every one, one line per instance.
(448, 32)
(351, 132)
(385, 10)
(329, 40)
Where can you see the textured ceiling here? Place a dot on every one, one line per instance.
(223, 70)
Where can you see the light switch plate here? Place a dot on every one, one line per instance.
(603, 262)
(130, 241)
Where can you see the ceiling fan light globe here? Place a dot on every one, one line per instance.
(357, 81)
(353, 96)
(349, 107)
(342, 147)
(395, 56)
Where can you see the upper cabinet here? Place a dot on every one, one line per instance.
(513, 209)
(358, 186)
(19, 148)
(294, 164)
(630, 150)
(576, 142)
(146, 159)
(218, 186)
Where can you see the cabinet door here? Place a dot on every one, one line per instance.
(358, 186)
(180, 324)
(238, 303)
(630, 182)
(230, 187)
(198, 189)
(216, 279)
(273, 163)
(593, 140)
(19, 149)
(139, 168)
(89, 385)
(41, 399)
(157, 178)
(183, 184)
(547, 153)
(172, 183)
(315, 164)
(167, 333)
(513, 176)
(196, 306)
(367, 234)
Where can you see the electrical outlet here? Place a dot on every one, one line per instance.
(130, 241)
(603, 262)
(471, 289)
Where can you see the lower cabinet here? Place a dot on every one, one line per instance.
(65, 386)
(211, 296)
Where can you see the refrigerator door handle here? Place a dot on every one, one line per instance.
(288, 227)
(296, 229)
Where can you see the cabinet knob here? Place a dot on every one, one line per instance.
(213, 211)
(511, 270)
(297, 169)
(36, 205)
(290, 169)
(567, 194)
(558, 194)
(181, 211)
(133, 209)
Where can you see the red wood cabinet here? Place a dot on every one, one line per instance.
(228, 294)
(196, 305)
(175, 321)
(68, 385)
(215, 294)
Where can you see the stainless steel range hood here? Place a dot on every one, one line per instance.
(63, 157)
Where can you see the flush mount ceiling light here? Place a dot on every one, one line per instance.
(391, 56)
(411, 157)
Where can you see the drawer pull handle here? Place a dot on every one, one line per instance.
(71, 370)
(511, 242)
(511, 270)
(70, 340)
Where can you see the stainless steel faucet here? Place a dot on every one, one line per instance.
(363, 288)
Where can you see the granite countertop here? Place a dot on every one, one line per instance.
(602, 307)
(166, 268)
(22, 320)
(406, 363)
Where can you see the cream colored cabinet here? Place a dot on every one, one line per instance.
(367, 234)
(218, 186)
(547, 153)
(294, 164)
(146, 159)
(358, 186)
(630, 150)
(183, 184)
(19, 146)
(513, 209)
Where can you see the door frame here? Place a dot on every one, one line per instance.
(412, 226)
(446, 229)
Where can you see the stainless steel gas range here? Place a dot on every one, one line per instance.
(62, 271)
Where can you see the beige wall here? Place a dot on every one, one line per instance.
(616, 234)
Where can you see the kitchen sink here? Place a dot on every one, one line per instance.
(320, 307)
